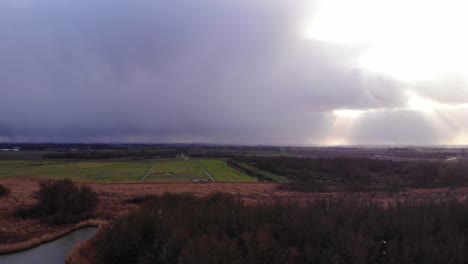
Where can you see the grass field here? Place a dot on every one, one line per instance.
(175, 170)
(188, 170)
(102, 171)
(223, 173)
(170, 170)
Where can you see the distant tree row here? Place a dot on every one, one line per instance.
(363, 172)
(113, 154)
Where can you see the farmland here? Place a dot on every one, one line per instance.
(179, 170)
(128, 185)
(221, 172)
(100, 171)
(164, 170)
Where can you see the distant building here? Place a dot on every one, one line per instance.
(10, 149)
(201, 180)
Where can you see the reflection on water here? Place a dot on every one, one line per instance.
(53, 252)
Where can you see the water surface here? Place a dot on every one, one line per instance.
(53, 252)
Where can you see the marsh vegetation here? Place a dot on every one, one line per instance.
(220, 228)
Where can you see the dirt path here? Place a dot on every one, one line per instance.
(207, 173)
(201, 167)
(148, 172)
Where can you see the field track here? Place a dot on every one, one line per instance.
(205, 171)
(148, 172)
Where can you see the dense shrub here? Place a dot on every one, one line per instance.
(4, 191)
(62, 202)
(311, 186)
(141, 199)
(221, 229)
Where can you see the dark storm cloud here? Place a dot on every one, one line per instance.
(198, 71)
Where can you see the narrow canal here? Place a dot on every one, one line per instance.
(53, 252)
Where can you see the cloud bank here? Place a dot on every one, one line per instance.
(209, 71)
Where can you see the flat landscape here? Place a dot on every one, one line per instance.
(112, 187)
(164, 170)
(114, 200)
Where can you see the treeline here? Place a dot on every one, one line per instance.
(228, 151)
(221, 229)
(234, 149)
(170, 153)
(104, 146)
(424, 155)
(361, 172)
(61, 147)
(202, 153)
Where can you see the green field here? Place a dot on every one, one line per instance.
(188, 170)
(164, 170)
(102, 171)
(175, 170)
(223, 173)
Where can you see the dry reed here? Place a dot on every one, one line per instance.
(21, 246)
(84, 253)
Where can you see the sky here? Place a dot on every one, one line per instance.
(275, 72)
